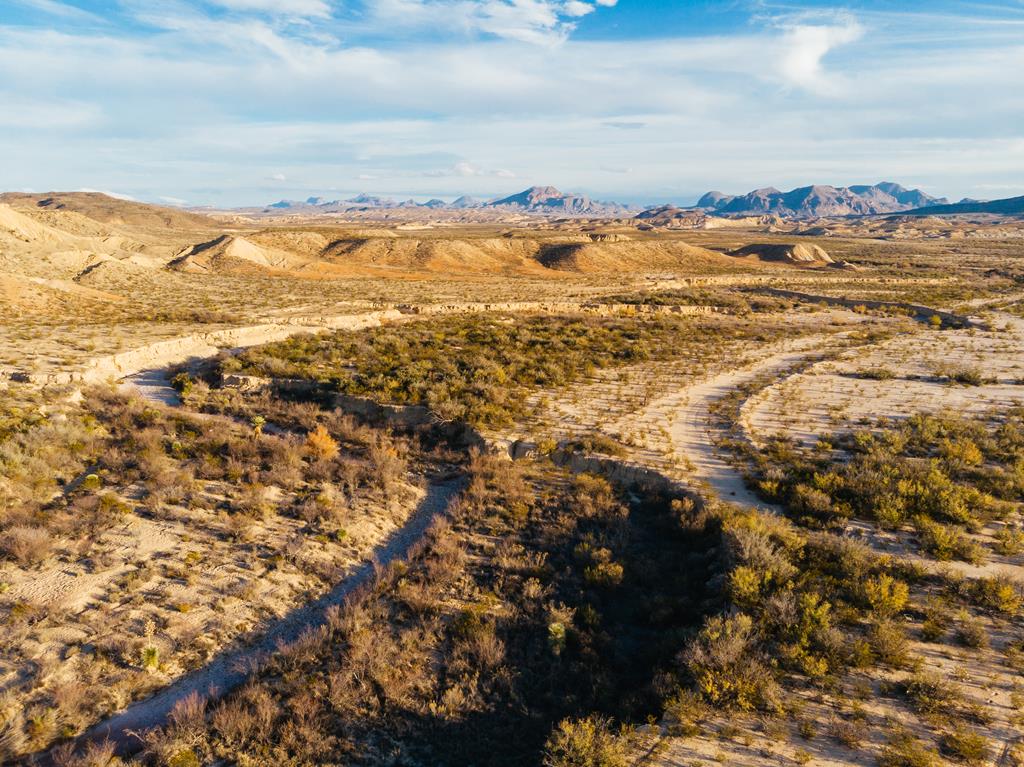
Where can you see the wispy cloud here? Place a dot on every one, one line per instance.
(538, 22)
(213, 101)
(298, 8)
(464, 169)
(108, 193)
(57, 8)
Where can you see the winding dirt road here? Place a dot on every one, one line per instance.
(691, 428)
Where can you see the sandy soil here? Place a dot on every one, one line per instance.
(833, 394)
(83, 299)
(229, 669)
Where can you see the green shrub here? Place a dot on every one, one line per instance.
(945, 542)
(1010, 541)
(476, 369)
(28, 546)
(936, 621)
(931, 694)
(904, 750)
(589, 742)
(998, 594)
(150, 658)
(850, 732)
(885, 595)
(184, 758)
(684, 712)
(877, 374)
(182, 383)
(889, 643)
(604, 574)
(966, 746)
(970, 632)
(724, 665)
(967, 376)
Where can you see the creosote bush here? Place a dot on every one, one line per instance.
(943, 475)
(967, 746)
(478, 369)
(27, 546)
(590, 742)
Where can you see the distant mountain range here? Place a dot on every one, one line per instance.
(537, 199)
(820, 201)
(1011, 206)
(547, 199)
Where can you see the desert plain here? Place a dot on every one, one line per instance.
(452, 487)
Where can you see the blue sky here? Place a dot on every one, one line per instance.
(232, 102)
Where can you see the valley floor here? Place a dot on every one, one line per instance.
(807, 546)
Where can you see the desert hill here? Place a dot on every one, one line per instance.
(17, 227)
(610, 257)
(325, 253)
(96, 240)
(110, 210)
(489, 254)
(672, 217)
(801, 254)
(64, 244)
(229, 253)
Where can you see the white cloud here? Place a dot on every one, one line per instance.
(464, 169)
(447, 111)
(806, 45)
(577, 8)
(277, 177)
(538, 22)
(108, 193)
(297, 8)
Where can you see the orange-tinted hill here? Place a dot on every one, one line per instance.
(110, 210)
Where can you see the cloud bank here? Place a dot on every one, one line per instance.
(240, 101)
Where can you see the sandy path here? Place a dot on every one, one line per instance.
(981, 303)
(231, 668)
(693, 433)
(918, 311)
(154, 385)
